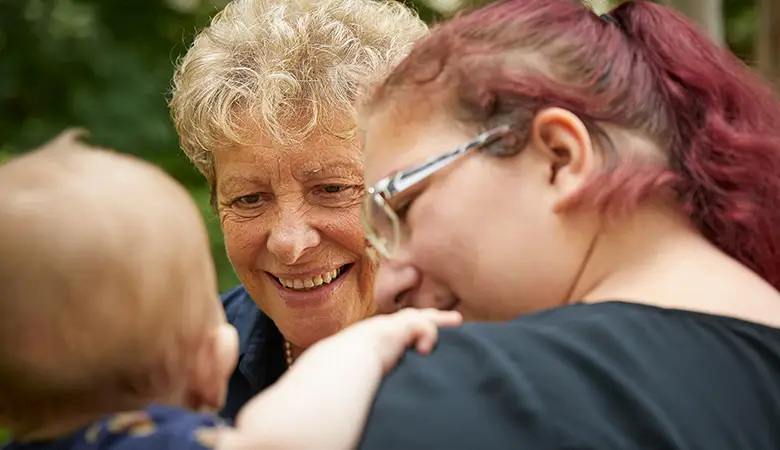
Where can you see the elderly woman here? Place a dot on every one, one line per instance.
(263, 103)
(609, 185)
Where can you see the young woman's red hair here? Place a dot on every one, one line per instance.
(650, 70)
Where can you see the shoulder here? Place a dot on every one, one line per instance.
(235, 301)
(255, 328)
(261, 350)
(537, 380)
(156, 428)
(467, 384)
(243, 313)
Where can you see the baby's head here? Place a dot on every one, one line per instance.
(108, 297)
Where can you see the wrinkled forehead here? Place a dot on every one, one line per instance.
(261, 160)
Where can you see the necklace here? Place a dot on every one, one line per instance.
(288, 353)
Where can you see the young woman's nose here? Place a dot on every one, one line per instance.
(394, 282)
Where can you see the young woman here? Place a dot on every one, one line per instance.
(609, 184)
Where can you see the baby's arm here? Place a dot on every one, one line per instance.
(323, 400)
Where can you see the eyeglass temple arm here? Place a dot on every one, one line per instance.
(408, 178)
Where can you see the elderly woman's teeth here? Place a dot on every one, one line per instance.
(310, 283)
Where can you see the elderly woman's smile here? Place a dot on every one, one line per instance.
(311, 281)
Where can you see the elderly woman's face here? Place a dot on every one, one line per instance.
(482, 235)
(292, 230)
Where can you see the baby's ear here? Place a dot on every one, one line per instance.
(216, 361)
(226, 351)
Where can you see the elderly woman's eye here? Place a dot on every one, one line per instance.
(339, 190)
(248, 200)
(333, 188)
(336, 195)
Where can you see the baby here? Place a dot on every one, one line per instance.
(112, 335)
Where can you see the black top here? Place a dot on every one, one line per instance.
(604, 376)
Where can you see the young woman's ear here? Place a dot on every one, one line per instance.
(563, 140)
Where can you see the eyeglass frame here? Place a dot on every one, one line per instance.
(385, 189)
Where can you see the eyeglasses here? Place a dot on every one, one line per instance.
(380, 221)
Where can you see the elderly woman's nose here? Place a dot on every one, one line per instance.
(291, 237)
(393, 283)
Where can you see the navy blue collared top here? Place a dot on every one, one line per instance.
(261, 359)
(157, 427)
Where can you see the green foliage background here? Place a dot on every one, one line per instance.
(106, 65)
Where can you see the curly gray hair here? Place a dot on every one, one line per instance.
(286, 68)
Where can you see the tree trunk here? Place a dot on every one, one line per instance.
(708, 14)
(768, 40)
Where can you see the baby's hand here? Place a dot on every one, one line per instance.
(388, 336)
(339, 373)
